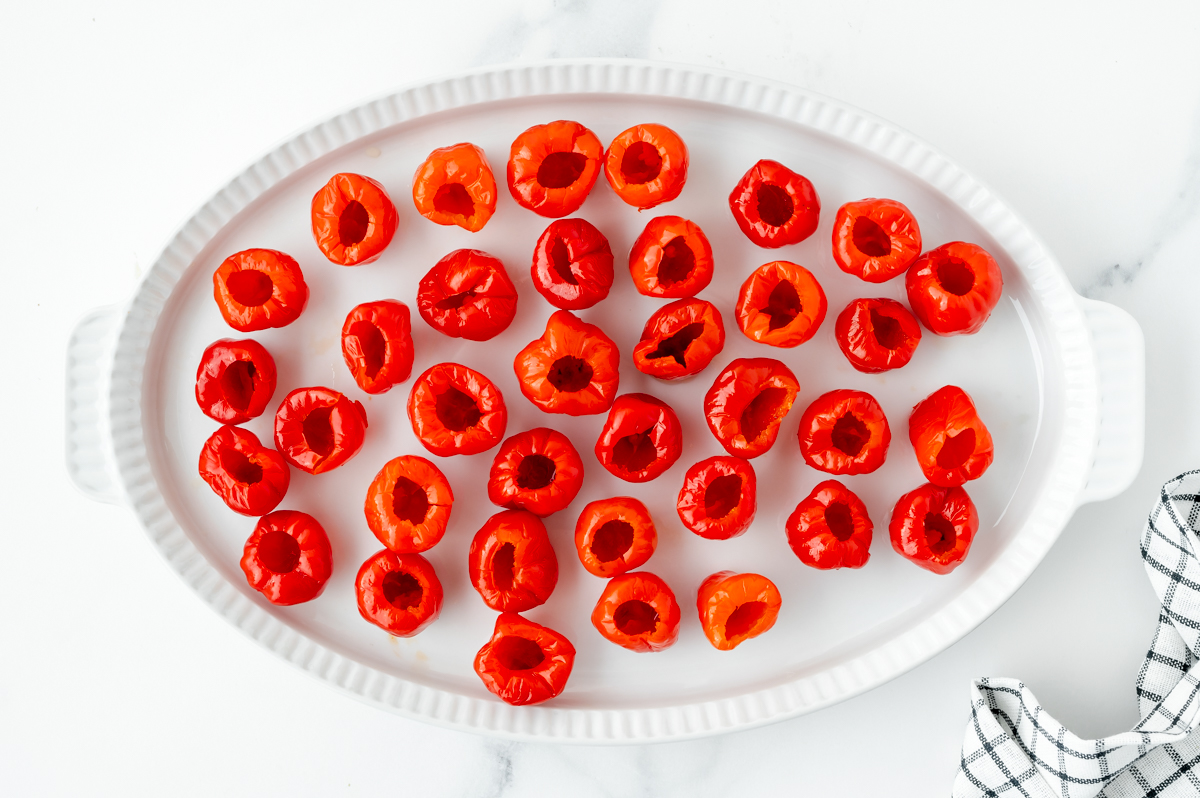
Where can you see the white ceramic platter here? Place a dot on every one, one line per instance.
(1056, 378)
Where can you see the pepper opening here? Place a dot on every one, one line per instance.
(240, 467)
(372, 346)
(318, 431)
(250, 287)
(840, 520)
(939, 533)
(456, 410)
(888, 331)
(677, 262)
(612, 540)
(676, 346)
(763, 412)
(518, 653)
(535, 472)
(454, 199)
(641, 162)
(402, 590)
(237, 383)
(955, 276)
(560, 261)
(409, 501)
(353, 223)
(870, 238)
(502, 566)
(635, 452)
(956, 450)
(744, 619)
(570, 374)
(783, 305)
(775, 206)
(722, 495)
(278, 552)
(561, 169)
(455, 301)
(850, 435)
(635, 617)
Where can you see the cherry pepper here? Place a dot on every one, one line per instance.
(235, 380)
(511, 562)
(954, 288)
(318, 429)
(287, 557)
(537, 470)
(875, 239)
(830, 528)
(781, 304)
(671, 258)
(250, 478)
(456, 410)
(552, 167)
(574, 368)
(646, 165)
(639, 612)
(641, 438)
(615, 535)
(934, 526)
(377, 345)
(572, 265)
(736, 607)
(747, 403)
(408, 504)
(353, 219)
(467, 294)
(399, 593)
(680, 339)
(719, 498)
(877, 335)
(524, 662)
(455, 185)
(844, 432)
(256, 289)
(775, 206)
(952, 444)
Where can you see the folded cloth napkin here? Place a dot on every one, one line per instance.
(1013, 748)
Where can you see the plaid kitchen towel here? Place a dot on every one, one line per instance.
(1013, 748)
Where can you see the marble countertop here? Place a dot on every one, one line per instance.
(122, 119)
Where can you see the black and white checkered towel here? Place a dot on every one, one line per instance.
(1013, 748)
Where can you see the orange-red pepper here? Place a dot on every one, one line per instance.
(256, 289)
(287, 557)
(671, 258)
(250, 478)
(572, 265)
(318, 429)
(954, 289)
(747, 403)
(831, 528)
(781, 304)
(875, 239)
(537, 470)
(719, 498)
(574, 368)
(877, 334)
(736, 607)
(775, 206)
(646, 165)
(408, 504)
(235, 380)
(377, 345)
(455, 185)
(952, 443)
(456, 410)
(511, 562)
(467, 294)
(639, 612)
(353, 219)
(614, 535)
(399, 593)
(933, 527)
(524, 662)
(552, 167)
(680, 339)
(641, 438)
(844, 432)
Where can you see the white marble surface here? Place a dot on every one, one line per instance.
(120, 119)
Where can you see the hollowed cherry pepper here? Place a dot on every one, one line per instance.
(844, 432)
(456, 410)
(775, 206)
(235, 380)
(719, 498)
(877, 335)
(511, 562)
(830, 528)
(455, 185)
(287, 557)
(574, 368)
(747, 403)
(250, 478)
(256, 289)
(353, 219)
(646, 165)
(671, 258)
(377, 345)
(537, 470)
(467, 294)
(875, 239)
(736, 607)
(934, 526)
(615, 535)
(399, 593)
(641, 438)
(954, 288)
(408, 504)
(572, 265)
(318, 429)
(680, 339)
(781, 304)
(952, 444)
(552, 167)
(524, 662)
(639, 612)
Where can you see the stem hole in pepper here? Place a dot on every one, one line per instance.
(570, 374)
(870, 239)
(456, 410)
(535, 472)
(278, 552)
(887, 330)
(939, 533)
(237, 383)
(318, 431)
(250, 287)
(677, 262)
(635, 617)
(612, 540)
(763, 411)
(561, 169)
(371, 344)
(409, 501)
(775, 207)
(850, 435)
(402, 590)
(743, 620)
(641, 162)
(956, 450)
(955, 276)
(840, 520)
(635, 452)
(676, 345)
(240, 467)
(353, 224)
(502, 566)
(455, 301)
(560, 261)
(783, 305)
(453, 198)
(518, 653)
(722, 495)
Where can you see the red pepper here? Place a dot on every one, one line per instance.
(511, 562)
(235, 380)
(259, 288)
(646, 165)
(250, 478)
(399, 593)
(680, 339)
(456, 410)
(455, 185)
(537, 470)
(572, 265)
(952, 444)
(736, 607)
(641, 438)
(671, 258)
(408, 504)
(844, 432)
(287, 557)
(877, 334)
(574, 368)
(318, 429)
(747, 403)
(377, 345)
(831, 528)
(524, 662)
(781, 304)
(875, 239)
(615, 535)
(934, 526)
(353, 219)
(719, 498)
(954, 288)
(639, 612)
(467, 294)
(775, 206)
(552, 167)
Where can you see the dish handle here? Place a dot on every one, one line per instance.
(87, 439)
(1120, 351)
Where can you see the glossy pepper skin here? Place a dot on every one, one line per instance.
(614, 535)
(399, 593)
(641, 438)
(775, 206)
(408, 504)
(639, 612)
(235, 380)
(877, 335)
(456, 410)
(511, 562)
(572, 264)
(719, 498)
(680, 339)
(747, 403)
(934, 526)
(250, 478)
(646, 165)
(377, 345)
(467, 294)
(736, 607)
(952, 443)
(257, 289)
(574, 368)
(552, 167)
(287, 557)
(844, 432)
(671, 258)
(537, 470)
(318, 429)
(455, 186)
(524, 662)
(830, 528)
(781, 304)
(353, 219)
(875, 239)
(954, 289)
